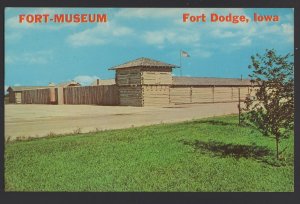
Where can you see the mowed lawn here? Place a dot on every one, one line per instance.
(213, 154)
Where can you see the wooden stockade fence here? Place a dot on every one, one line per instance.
(98, 95)
(147, 95)
(190, 94)
(37, 96)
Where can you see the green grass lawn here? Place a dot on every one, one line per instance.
(212, 155)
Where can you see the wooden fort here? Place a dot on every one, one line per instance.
(141, 82)
(147, 82)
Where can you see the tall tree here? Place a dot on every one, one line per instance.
(272, 112)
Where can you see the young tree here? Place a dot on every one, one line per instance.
(272, 112)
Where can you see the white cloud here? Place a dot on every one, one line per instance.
(289, 17)
(37, 57)
(192, 34)
(284, 31)
(288, 31)
(246, 35)
(154, 37)
(5, 89)
(85, 80)
(9, 59)
(223, 33)
(270, 29)
(245, 41)
(13, 22)
(161, 37)
(238, 44)
(147, 13)
(99, 35)
(12, 37)
(203, 53)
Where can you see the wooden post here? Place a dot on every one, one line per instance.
(277, 148)
(213, 92)
(60, 95)
(239, 106)
(169, 94)
(52, 96)
(191, 94)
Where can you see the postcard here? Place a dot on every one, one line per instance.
(149, 99)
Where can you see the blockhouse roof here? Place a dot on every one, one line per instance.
(22, 88)
(143, 62)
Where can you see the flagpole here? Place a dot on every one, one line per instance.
(180, 62)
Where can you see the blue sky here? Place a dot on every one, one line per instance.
(36, 54)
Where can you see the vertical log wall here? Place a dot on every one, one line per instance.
(37, 96)
(97, 95)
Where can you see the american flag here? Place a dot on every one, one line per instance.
(184, 54)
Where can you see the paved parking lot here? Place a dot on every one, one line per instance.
(42, 120)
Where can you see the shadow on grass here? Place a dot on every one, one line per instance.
(219, 149)
(224, 150)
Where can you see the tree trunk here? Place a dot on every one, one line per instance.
(239, 106)
(277, 148)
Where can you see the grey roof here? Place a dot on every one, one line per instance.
(143, 62)
(212, 81)
(22, 88)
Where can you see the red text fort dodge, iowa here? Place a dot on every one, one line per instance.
(187, 17)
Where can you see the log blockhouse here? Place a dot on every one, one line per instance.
(144, 82)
